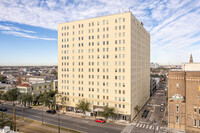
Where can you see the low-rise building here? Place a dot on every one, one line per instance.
(154, 84)
(37, 79)
(24, 88)
(154, 65)
(38, 88)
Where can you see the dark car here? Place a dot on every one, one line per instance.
(145, 114)
(3, 109)
(100, 120)
(52, 111)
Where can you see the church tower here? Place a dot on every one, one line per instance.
(191, 59)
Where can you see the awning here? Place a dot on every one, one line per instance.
(98, 109)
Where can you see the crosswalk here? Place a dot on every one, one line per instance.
(147, 126)
(131, 126)
(128, 128)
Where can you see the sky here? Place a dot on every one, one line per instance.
(28, 28)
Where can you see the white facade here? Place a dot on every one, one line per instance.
(191, 66)
(154, 65)
(106, 61)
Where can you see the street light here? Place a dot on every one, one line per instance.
(22, 106)
(14, 117)
(1, 110)
(42, 115)
(58, 123)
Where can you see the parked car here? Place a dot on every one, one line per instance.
(51, 111)
(150, 104)
(3, 109)
(100, 120)
(161, 109)
(162, 104)
(145, 114)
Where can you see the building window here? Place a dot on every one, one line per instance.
(119, 20)
(177, 108)
(199, 110)
(177, 85)
(195, 122)
(199, 123)
(123, 98)
(195, 109)
(177, 119)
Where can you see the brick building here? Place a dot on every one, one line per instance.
(184, 99)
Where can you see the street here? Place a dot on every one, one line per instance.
(153, 122)
(79, 124)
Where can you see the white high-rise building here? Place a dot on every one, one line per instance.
(106, 61)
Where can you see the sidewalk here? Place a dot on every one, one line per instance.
(78, 115)
(171, 130)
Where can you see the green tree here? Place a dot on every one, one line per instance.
(3, 79)
(7, 121)
(12, 95)
(48, 99)
(55, 73)
(137, 109)
(4, 97)
(108, 112)
(25, 99)
(62, 100)
(83, 105)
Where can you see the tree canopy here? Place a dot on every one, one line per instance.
(12, 95)
(3, 79)
(108, 112)
(83, 105)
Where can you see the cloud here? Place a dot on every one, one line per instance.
(16, 31)
(13, 28)
(174, 25)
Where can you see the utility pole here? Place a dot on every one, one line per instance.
(42, 115)
(22, 113)
(2, 111)
(58, 123)
(14, 117)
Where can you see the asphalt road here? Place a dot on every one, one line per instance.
(80, 124)
(152, 124)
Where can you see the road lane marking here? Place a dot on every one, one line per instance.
(140, 125)
(143, 126)
(81, 127)
(137, 124)
(150, 127)
(157, 128)
(147, 126)
(128, 128)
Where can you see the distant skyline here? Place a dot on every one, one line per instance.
(28, 28)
